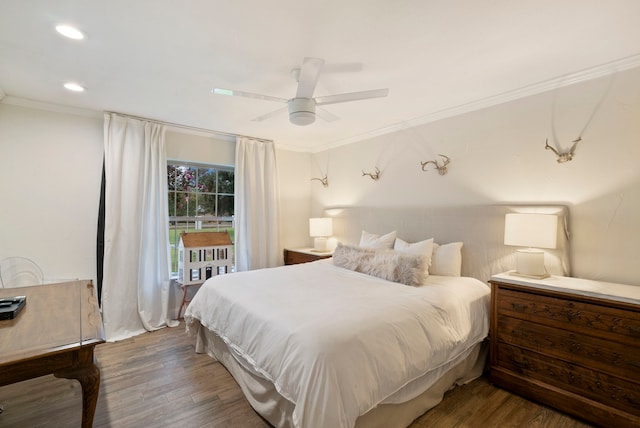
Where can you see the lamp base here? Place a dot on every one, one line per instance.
(543, 276)
(320, 245)
(530, 263)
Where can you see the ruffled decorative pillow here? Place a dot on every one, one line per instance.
(408, 269)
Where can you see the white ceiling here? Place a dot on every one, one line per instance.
(159, 59)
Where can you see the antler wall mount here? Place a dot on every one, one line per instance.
(563, 156)
(324, 180)
(442, 169)
(375, 176)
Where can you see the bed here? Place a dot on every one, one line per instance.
(324, 344)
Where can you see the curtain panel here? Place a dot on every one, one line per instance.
(257, 233)
(136, 277)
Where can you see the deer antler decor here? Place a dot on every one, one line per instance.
(323, 180)
(374, 176)
(563, 157)
(442, 169)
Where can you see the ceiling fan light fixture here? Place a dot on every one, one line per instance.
(302, 111)
(302, 108)
(302, 118)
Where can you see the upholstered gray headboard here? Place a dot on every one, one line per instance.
(480, 228)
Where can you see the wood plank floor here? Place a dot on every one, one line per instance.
(157, 380)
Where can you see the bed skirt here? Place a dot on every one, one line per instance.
(277, 410)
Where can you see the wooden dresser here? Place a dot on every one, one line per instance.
(568, 343)
(303, 255)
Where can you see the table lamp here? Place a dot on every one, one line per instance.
(533, 231)
(320, 229)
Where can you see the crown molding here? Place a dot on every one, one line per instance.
(523, 92)
(295, 148)
(41, 105)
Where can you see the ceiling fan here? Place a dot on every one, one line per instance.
(302, 108)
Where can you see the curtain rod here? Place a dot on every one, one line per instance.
(192, 128)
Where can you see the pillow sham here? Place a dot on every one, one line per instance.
(386, 264)
(446, 259)
(370, 240)
(422, 248)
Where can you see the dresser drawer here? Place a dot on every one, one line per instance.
(592, 384)
(607, 356)
(612, 324)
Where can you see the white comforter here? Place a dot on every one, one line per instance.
(334, 342)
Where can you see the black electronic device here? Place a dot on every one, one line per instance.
(10, 307)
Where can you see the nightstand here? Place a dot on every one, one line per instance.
(569, 343)
(303, 255)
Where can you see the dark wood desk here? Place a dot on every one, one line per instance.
(55, 333)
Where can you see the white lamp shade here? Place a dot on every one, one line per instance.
(320, 227)
(531, 230)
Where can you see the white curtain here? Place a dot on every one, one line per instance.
(136, 279)
(257, 234)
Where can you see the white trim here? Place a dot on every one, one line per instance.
(79, 111)
(41, 105)
(534, 89)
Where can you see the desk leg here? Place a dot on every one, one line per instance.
(88, 374)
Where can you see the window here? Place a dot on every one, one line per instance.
(200, 198)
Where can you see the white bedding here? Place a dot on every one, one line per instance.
(337, 343)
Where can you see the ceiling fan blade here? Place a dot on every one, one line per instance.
(308, 79)
(325, 115)
(233, 93)
(352, 96)
(269, 115)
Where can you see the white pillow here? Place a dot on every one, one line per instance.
(369, 240)
(422, 248)
(446, 260)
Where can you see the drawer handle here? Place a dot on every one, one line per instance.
(635, 329)
(519, 306)
(634, 401)
(520, 362)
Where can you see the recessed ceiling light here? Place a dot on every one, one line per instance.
(70, 32)
(73, 87)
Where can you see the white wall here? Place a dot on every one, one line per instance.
(50, 172)
(295, 208)
(498, 156)
(200, 148)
